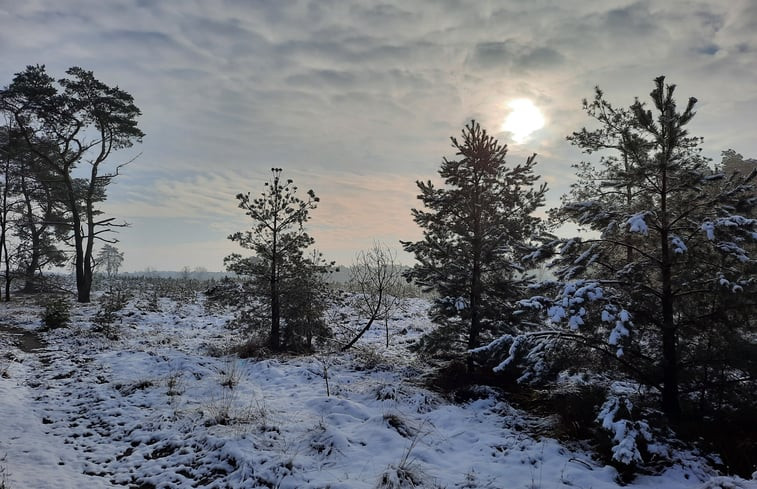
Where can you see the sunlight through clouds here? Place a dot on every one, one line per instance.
(523, 120)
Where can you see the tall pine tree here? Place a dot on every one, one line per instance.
(474, 229)
(664, 279)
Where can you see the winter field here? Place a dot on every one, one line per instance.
(151, 401)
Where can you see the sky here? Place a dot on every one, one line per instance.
(357, 100)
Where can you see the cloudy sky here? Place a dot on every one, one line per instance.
(357, 100)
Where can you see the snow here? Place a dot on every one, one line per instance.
(626, 433)
(637, 224)
(153, 407)
(713, 177)
(568, 245)
(734, 250)
(588, 252)
(709, 228)
(679, 247)
(617, 333)
(732, 221)
(735, 287)
(568, 304)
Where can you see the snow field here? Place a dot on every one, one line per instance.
(153, 409)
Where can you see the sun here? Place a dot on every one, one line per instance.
(524, 118)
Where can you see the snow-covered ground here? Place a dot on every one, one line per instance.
(154, 409)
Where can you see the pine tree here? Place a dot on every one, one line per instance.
(279, 240)
(733, 162)
(667, 275)
(64, 123)
(31, 211)
(41, 224)
(9, 202)
(305, 296)
(474, 230)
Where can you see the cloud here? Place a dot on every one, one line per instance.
(511, 55)
(324, 79)
(538, 58)
(634, 20)
(360, 92)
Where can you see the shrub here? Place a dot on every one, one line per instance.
(630, 437)
(175, 383)
(57, 313)
(111, 303)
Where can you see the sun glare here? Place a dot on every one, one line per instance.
(524, 118)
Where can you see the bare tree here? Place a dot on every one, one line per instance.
(377, 279)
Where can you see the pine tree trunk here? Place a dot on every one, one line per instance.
(670, 402)
(8, 277)
(2, 248)
(475, 292)
(89, 269)
(275, 304)
(475, 305)
(475, 299)
(82, 285)
(85, 290)
(3, 229)
(275, 317)
(629, 201)
(82, 290)
(671, 406)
